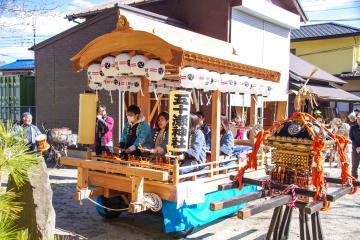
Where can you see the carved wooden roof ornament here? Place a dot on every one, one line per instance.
(125, 39)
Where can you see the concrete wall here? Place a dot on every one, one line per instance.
(58, 87)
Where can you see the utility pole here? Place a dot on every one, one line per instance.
(34, 29)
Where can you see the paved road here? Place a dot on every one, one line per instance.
(82, 221)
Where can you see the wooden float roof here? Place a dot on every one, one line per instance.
(174, 47)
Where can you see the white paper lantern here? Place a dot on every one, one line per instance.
(224, 84)
(135, 84)
(110, 84)
(201, 78)
(160, 86)
(95, 74)
(243, 85)
(108, 66)
(215, 80)
(96, 85)
(123, 83)
(233, 81)
(187, 76)
(268, 89)
(154, 70)
(122, 64)
(262, 87)
(255, 86)
(137, 65)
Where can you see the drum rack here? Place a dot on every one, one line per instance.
(281, 217)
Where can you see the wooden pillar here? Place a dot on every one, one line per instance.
(281, 111)
(143, 101)
(253, 117)
(215, 125)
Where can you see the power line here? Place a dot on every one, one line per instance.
(327, 51)
(332, 9)
(324, 3)
(335, 20)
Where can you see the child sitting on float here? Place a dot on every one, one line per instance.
(226, 140)
(196, 153)
(136, 131)
(160, 135)
(240, 133)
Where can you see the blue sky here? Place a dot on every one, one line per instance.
(15, 40)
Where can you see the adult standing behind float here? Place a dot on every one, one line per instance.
(355, 138)
(31, 131)
(104, 131)
(196, 153)
(205, 129)
(136, 131)
(227, 137)
(352, 119)
(160, 135)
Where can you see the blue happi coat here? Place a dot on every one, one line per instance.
(197, 146)
(227, 143)
(143, 134)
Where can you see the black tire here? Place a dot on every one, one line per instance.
(182, 234)
(114, 202)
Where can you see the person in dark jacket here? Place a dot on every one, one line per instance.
(205, 129)
(160, 134)
(355, 138)
(196, 153)
(103, 132)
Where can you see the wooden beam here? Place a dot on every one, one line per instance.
(230, 202)
(82, 178)
(263, 206)
(253, 117)
(330, 196)
(220, 65)
(116, 168)
(144, 100)
(86, 193)
(123, 184)
(137, 189)
(215, 125)
(339, 181)
(153, 111)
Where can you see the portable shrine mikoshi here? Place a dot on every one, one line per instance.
(298, 146)
(142, 64)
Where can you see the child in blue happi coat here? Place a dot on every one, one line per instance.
(226, 140)
(205, 129)
(196, 153)
(136, 131)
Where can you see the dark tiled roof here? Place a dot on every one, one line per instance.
(19, 64)
(322, 31)
(101, 7)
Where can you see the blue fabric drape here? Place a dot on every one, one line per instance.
(199, 214)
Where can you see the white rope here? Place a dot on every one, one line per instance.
(107, 208)
(152, 201)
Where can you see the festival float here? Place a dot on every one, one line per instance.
(148, 68)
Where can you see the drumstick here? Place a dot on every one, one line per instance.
(144, 149)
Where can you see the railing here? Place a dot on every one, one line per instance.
(203, 171)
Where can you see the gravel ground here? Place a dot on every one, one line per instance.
(75, 221)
